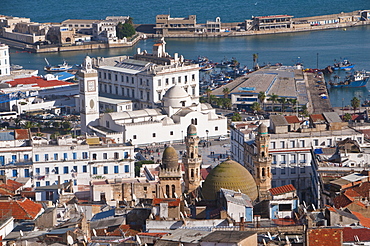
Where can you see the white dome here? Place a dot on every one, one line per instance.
(176, 92)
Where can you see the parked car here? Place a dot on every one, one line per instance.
(221, 138)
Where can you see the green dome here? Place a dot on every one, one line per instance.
(170, 158)
(229, 175)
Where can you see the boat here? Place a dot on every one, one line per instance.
(206, 68)
(358, 79)
(14, 67)
(343, 65)
(58, 68)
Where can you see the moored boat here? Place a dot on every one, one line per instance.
(57, 68)
(358, 79)
(343, 65)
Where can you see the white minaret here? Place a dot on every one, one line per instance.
(89, 99)
(4, 60)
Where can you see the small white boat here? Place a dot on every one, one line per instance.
(58, 68)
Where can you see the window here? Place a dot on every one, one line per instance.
(302, 158)
(282, 170)
(292, 170)
(125, 155)
(75, 169)
(186, 79)
(56, 170)
(193, 77)
(37, 170)
(37, 157)
(127, 168)
(153, 135)
(15, 173)
(122, 78)
(26, 157)
(127, 79)
(147, 82)
(109, 76)
(147, 96)
(47, 170)
(274, 159)
(285, 207)
(74, 155)
(167, 81)
(273, 145)
(133, 93)
(47, 183)
(179, 79)
(55, 156)
(292, 159)
(65, 156)
(105, 156)
(95, 170)
(282, 144)
(46, 157)
(171, 133)
(14, 158)
(302, 143)
(283, 159)
(292, 144)
(105, 169)
(105, 75)
(273, 171)
(134, 136)
(84, 169)
(38, 184)
(316, 142)
(173, 80)
(115, 169)
(159, 82)
(65, 170)
(116, 90)
(26, 173)
(116, 77)
(141, 94)
(216, 128)
(75, 182)
(84, 155)
(303, 169)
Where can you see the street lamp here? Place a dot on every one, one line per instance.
(182, 136)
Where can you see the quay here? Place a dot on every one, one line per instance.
(73, 35)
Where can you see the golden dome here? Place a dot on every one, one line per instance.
(229, 175)
(170, 159)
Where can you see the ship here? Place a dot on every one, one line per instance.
(343, 65)
(358, 79)
(58, 68)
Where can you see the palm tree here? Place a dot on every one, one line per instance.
(208, 93)
(261, 98)
(28, 125)
(274, 99)
(283, 101)
(256, 107)
(355, 103)
(293, 101)
(226, 92)
(17, 122)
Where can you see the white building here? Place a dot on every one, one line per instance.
(45, 162)
(4, 60)
(292, 152)
(146, 78)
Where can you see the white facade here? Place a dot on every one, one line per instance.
(4, 60)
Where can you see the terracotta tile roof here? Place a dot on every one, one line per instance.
(292, 119)
(282, 189)
(317, 118)
(364, 221)
(204, 173)
(351, 193)
(172, 202)
(152, 234)
(362, 189)
(11, 185)
(366, 132)
(21, 134)
(20, 209)
(284, 222)
(342, 201)
(325, 237)
(116, 231)
(35, 81)
(4, 192)
(349, 234)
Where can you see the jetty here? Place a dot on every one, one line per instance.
(73, 35)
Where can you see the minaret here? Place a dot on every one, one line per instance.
(262, 162)
(89, 99)
(192, 160)
(4, 60)
(170, 175)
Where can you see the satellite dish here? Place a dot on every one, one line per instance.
(138, 240)
(94, 232)
(85, 239)
(21, 233)
(70, 240)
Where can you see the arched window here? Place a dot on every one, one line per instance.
(173, 191)
(192, 173)
(263, 172)
(167, 191)
(68, 39)
(192, 155)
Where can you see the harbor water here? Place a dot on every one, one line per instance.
(314, 49)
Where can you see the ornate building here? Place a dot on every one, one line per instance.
(192, 160)
(262, 161)
(170, 175)
(89, 99)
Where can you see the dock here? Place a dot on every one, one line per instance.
(318, 93)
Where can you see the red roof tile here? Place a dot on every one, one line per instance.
(21, 134)
(172, 202)
(11, 185)
(349, 234)
(20, 209)
(204, 172)
(342, 201)
(317, 118)
(292, 119)
(37, 82)
(366, 132)
(325, 237)
(362, 189)
(351, 193)
(282, 190)
(364, 221)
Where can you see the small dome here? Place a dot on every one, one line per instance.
(176, 92)
(192, 130)
(262, 129)
(170, 159)
(229, 175)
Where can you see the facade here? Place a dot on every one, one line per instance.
(4, 60)
(272, 22)
(167, 25)
(291, 153)
(284, 202)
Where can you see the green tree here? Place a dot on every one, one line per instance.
(256, 107)
(125, 30)
(208, 93)
(236, 117)
(347, 117)
(355, 103)
(226, 92)
(304, 110)
(294, 102)
(56, 124)
(283, 102)
(274, 99)
(28, 125)
(261, 98)
(17, 122)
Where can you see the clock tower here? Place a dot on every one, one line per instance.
(89, 99)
